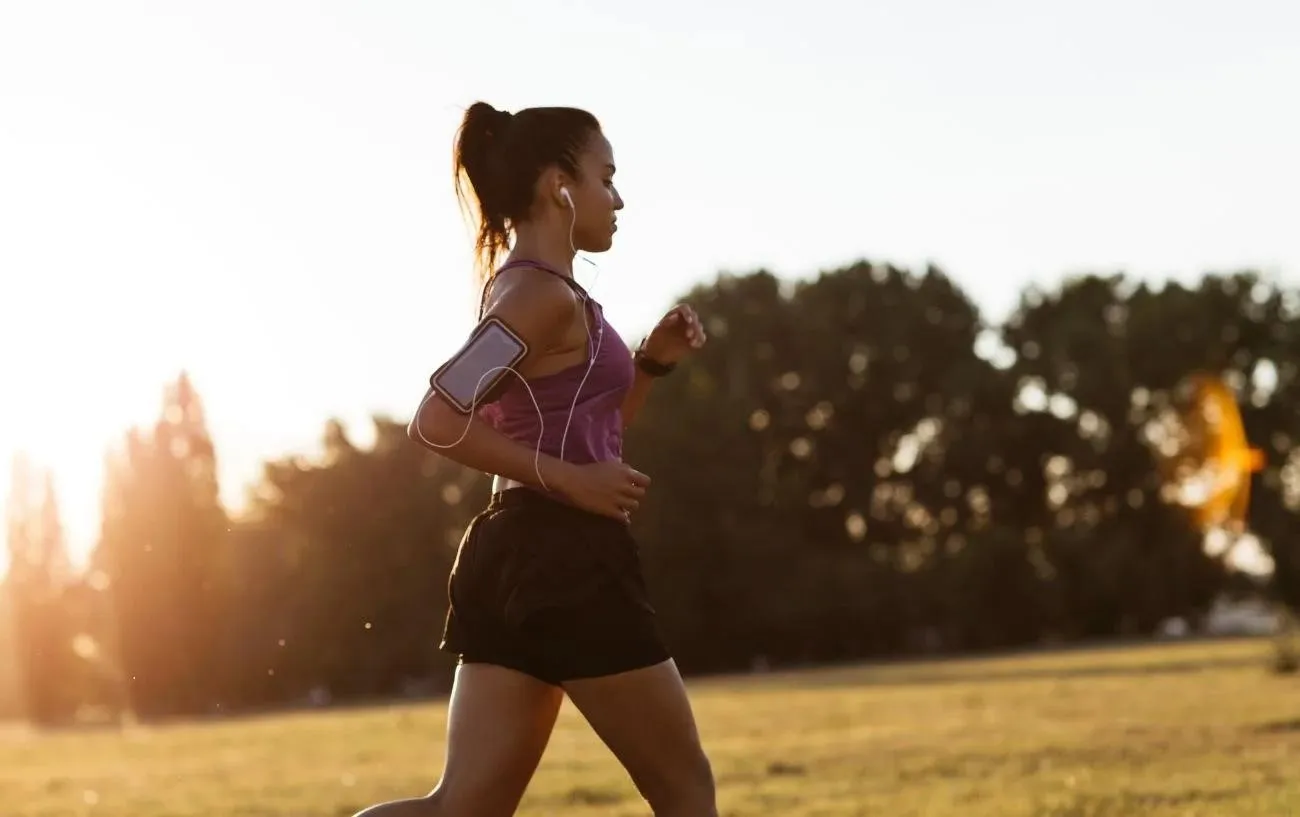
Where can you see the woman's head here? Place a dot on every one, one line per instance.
(518, 165)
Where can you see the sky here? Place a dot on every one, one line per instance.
(260, 193)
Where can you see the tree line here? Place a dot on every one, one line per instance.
(857, 465)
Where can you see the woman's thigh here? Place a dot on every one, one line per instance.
(645, 718)
(498, 724)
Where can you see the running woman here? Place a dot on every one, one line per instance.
(546, 596)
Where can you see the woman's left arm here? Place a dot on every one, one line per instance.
(677, 334)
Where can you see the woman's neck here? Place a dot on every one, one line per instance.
(546, 244)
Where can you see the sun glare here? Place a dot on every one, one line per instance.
(63, 421)
(77, 469)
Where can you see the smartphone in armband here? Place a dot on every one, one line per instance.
(480, 366)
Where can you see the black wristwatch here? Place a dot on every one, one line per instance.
(649, 365)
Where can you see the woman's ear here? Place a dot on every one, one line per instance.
(563, 187)
(556, 187)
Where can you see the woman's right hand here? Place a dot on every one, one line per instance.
(611, 488)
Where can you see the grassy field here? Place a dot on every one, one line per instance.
(1197, 729)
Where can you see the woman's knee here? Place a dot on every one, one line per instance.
(432, 802)
(427, 806)
(457, 798)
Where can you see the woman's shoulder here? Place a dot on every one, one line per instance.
(531, 296)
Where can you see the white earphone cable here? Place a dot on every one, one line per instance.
(586, 325)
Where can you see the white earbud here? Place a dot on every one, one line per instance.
(564, 194)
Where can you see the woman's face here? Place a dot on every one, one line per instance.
(595, 200)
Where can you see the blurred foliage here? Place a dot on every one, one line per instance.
(857, 465)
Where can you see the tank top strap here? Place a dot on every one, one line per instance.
(526, 262)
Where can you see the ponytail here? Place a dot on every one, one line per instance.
(476, 161)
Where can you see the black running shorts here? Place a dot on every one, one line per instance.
(550, 590)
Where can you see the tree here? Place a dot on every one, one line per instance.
(359, 544)
(39, 574)
(785, 520)
(1113, 355)
(162, 546)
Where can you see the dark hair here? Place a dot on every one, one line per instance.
(502, 155)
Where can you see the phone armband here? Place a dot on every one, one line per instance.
(475, 373)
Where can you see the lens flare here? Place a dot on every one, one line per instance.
(1208, 459)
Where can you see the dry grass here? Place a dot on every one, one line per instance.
(1159, 731)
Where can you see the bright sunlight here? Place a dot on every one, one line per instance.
(77, 394)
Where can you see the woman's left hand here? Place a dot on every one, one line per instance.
(677, 334)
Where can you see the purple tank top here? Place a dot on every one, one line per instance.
(595, 433)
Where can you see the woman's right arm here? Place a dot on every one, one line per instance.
(539, 309)
(437, 427)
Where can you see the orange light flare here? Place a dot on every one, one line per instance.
(1209, 461)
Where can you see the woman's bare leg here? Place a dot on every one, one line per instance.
(645, 719)
(498, 724)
